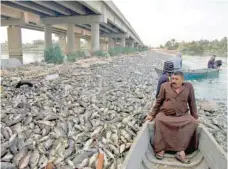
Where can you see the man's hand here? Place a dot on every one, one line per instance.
(149, 118)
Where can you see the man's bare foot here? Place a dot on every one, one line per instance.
(160, 155)
(182, 157)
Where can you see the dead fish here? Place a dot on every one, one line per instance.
(96, 131)
(113, 166)
(34, 159)
(9, 131)
(48, 144)
(27, 120)
(6, 165)
(125, 135)
(45, 131)
(4, 148)
(64, 126)
(114, 149)
(88, 143)
(16, 120)
(70, 149)
(130, 131)
(84, 163)
(78, 127)
(47, 123)
(51, 117)
(42, 161)
(13, 144)
(20, 141)
(7, 158)
(122, 148)
(60, 132)
(44, 138)
(5, 133)
(108, 136)
(70, 163)
(79, 158)
(70, 127)
(114, 138)
(40, 116)
(93, 159)
(123, 139)
(17, 128)
(25, 161)
(20, 155)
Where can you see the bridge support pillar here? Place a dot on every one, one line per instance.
(70, 38)
(110, 43)
(103, 46)
(48, 36)
(15, 42)
(62, 44)
(131, 44)
(95, 36)
(123, 42)
(89, 45)
(136, 46)
(77, 43)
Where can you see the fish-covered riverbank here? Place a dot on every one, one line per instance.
(83, 107)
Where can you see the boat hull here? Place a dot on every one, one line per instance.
(196, 74)
(141, 155)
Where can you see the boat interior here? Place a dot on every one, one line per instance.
(141, 155)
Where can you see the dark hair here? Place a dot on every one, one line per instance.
(179, 73)
(218, 63)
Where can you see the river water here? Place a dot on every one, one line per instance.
(209, 89)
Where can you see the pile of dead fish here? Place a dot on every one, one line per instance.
(70, 115)
(68, 119)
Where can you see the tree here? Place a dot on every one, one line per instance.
(201, 47)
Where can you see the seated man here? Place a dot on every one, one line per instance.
(168, 69)
(211, 62)
(174, 126)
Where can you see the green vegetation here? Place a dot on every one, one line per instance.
(202, 47)
(101, 53)
(75, 55)
(53, 55)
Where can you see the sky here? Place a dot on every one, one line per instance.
(157, 21)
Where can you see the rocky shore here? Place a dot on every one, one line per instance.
(75, 110)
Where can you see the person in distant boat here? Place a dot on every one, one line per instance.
(168, 69)
(175, 128)
(218, 64)
(177, 61)
(211, 62)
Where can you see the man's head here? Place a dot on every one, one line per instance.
(168, 68)
(213, 57)
(179, 55)
(177, 79)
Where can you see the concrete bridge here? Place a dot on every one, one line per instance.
(99, 22)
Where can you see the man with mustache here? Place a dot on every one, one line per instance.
(175, 128)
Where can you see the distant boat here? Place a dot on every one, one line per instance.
(196, 74)
(141, 155)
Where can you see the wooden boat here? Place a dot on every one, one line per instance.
(141, 155)
(196, 74)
